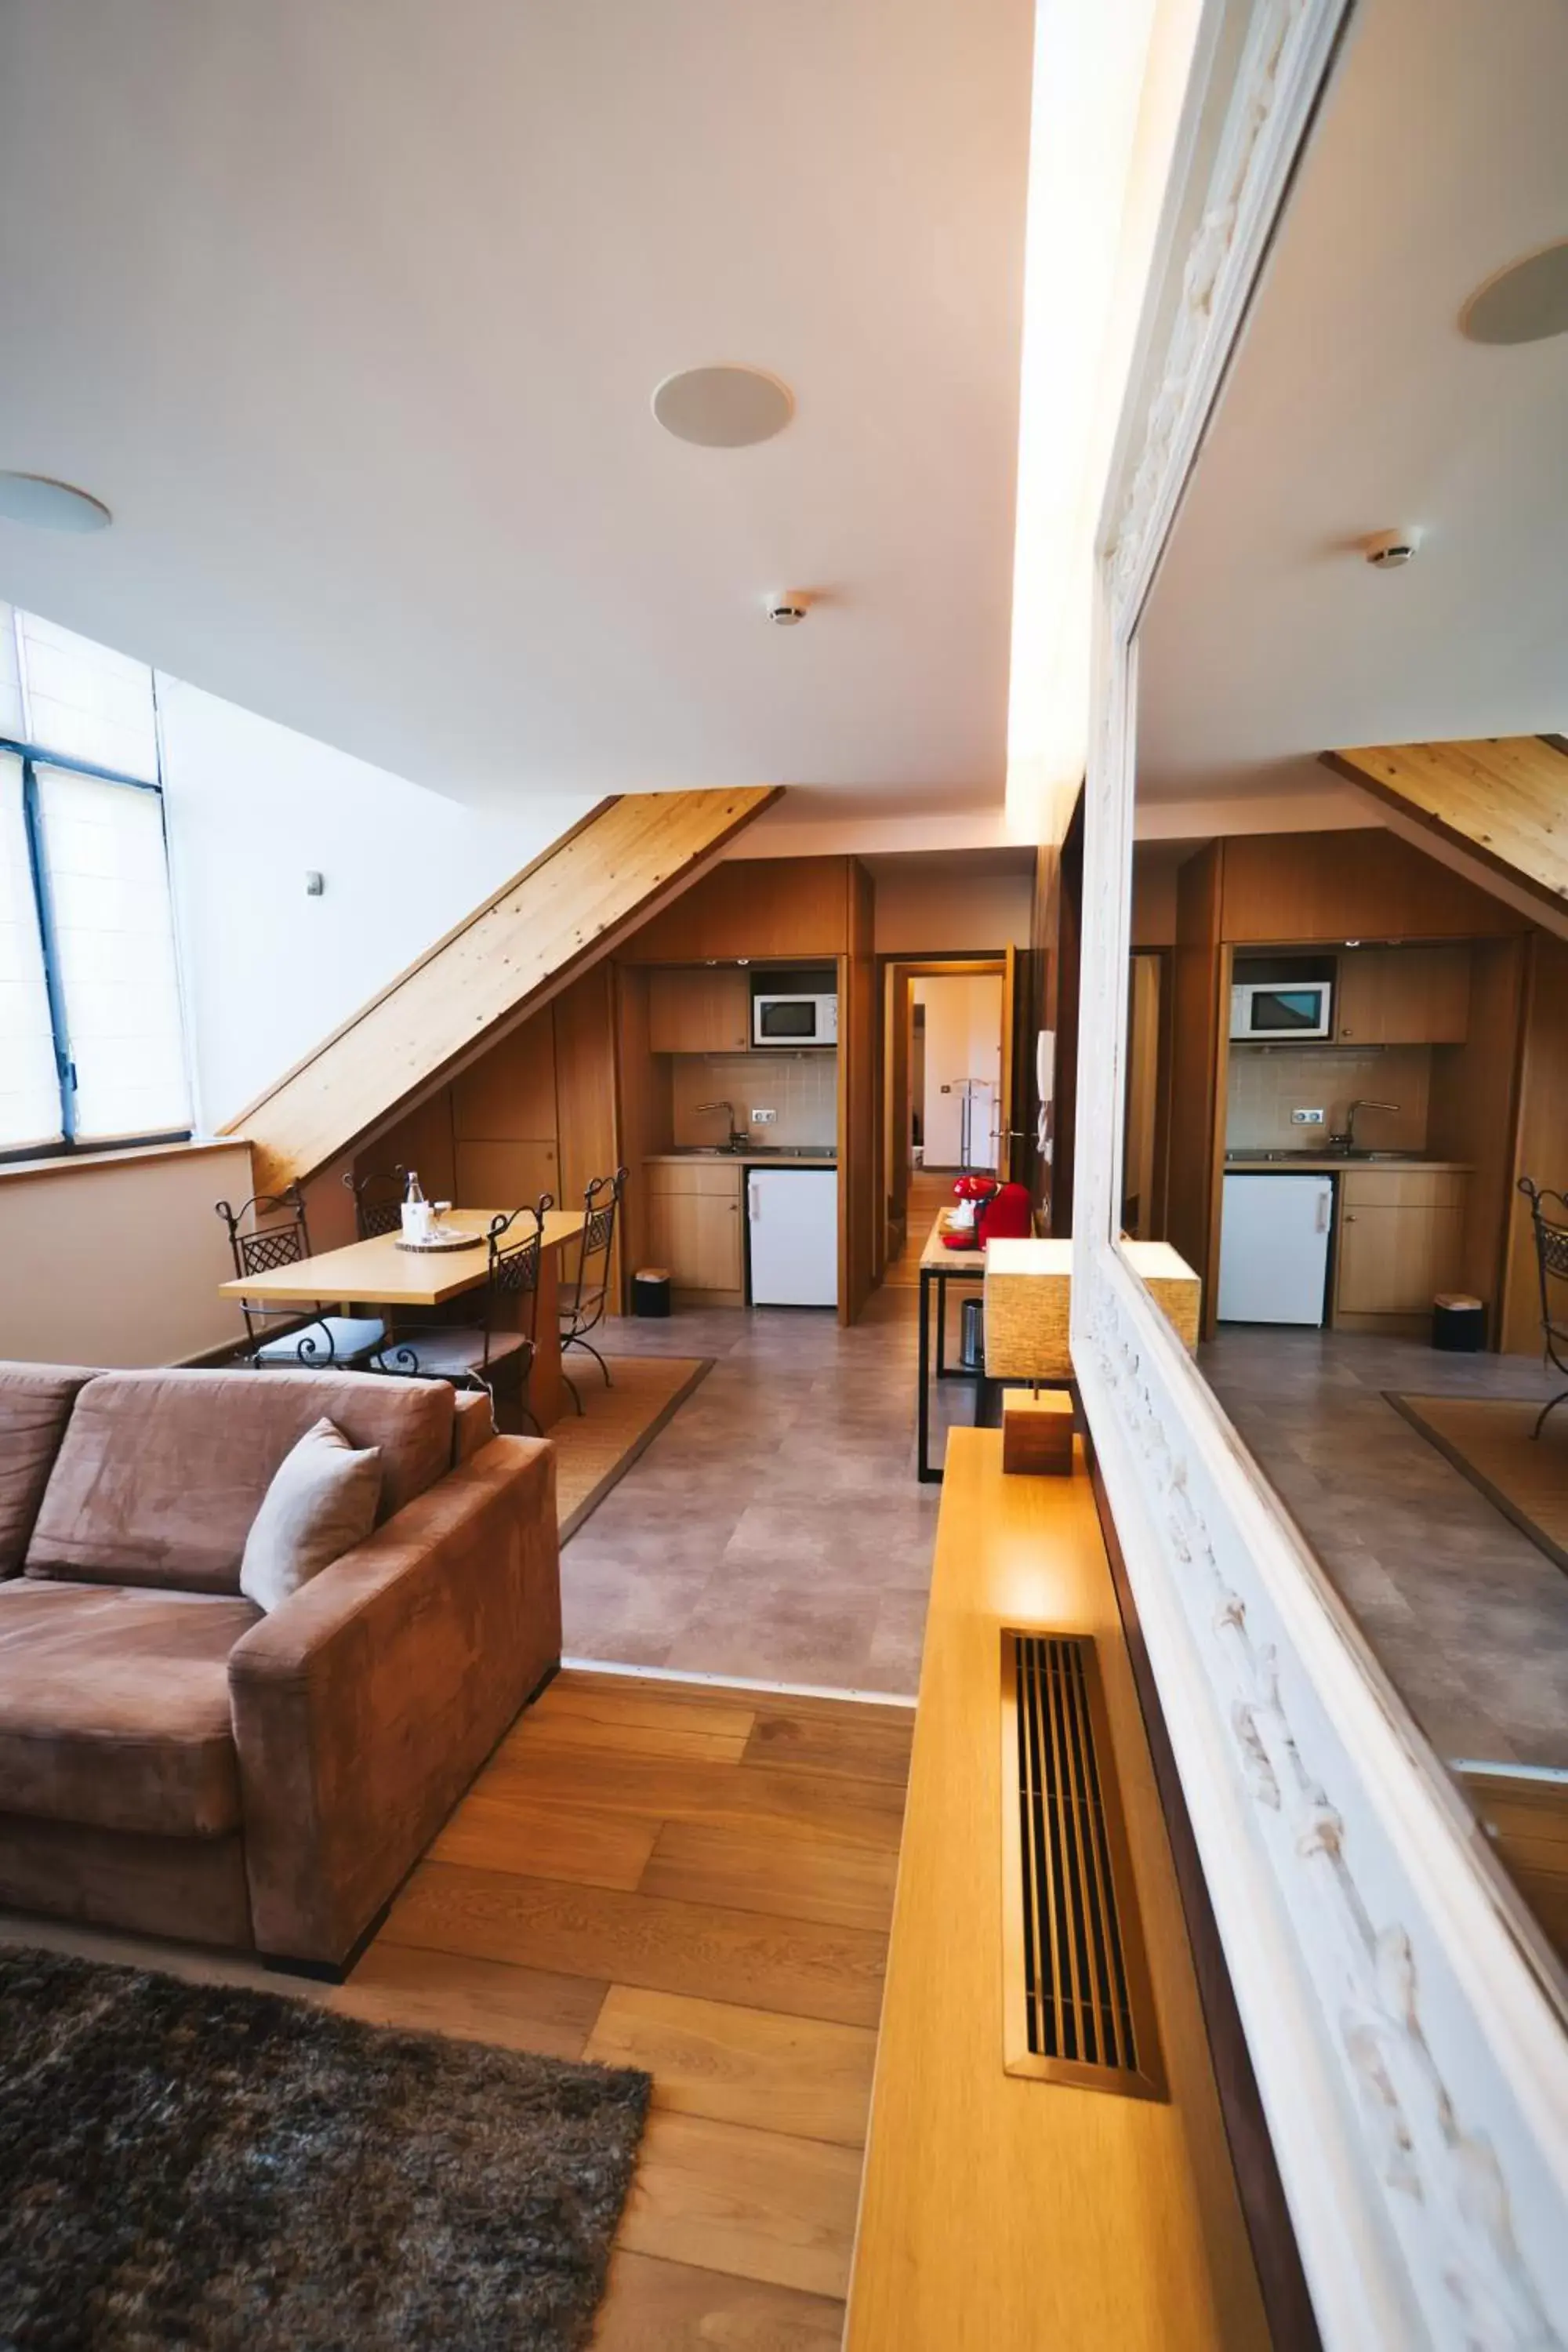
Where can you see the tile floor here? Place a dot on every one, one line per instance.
(1468, 1620)
(775, 1529)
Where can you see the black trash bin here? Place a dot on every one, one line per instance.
(971, 1336)
(650, 1291)
(1458, 1323)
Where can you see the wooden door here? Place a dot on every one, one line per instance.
(1402, 996)
(699, 1011)
(693, 1225)
(1401, 1240)
(1010, 1099)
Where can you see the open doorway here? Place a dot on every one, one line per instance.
(950, 1079)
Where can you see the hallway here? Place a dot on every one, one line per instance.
(774, 1530)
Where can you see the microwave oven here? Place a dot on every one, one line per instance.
(794, 1020)
(1281, 1008)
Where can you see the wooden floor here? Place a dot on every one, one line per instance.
(684, 1879)
(696, 1881)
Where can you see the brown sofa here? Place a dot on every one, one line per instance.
(175, 1763)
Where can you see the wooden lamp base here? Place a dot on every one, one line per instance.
(1037, 1431)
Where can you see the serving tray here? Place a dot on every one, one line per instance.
(446, 1242)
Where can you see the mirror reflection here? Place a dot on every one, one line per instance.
(1347, 1064)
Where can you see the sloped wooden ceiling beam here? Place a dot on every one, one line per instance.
(549, 923)
(1503, 800)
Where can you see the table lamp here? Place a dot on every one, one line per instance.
(1028, 1296)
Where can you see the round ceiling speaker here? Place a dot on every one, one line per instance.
(43, 505)
(723, 407)
(1525, 303)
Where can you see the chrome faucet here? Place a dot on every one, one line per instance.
(739, 1136)
(1345, 1142)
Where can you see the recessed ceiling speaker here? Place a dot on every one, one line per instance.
(46, 505)
(1525, 303)
(1385, 551)
(723, 407)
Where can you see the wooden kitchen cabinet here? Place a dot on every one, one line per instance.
(1402, 996)
(698, 1010)
(693, 1225)
(1401, 1240)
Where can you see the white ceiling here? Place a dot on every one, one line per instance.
(352, 311)
(1355, 402)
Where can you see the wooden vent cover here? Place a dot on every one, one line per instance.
(1077, 2001)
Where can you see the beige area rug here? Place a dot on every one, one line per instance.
(619, 1423)
(1488, 1439)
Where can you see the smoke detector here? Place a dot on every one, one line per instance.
(1385, 551)
(788, 606)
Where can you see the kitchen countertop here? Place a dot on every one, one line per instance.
(788, 1155)
(1330, 1164)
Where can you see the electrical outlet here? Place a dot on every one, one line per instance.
(764, 1117)
(1298, 1118)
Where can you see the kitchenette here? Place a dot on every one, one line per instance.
(741, 1208)
(1348, 1137)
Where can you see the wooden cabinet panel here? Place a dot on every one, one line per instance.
(692, 1222)
(700, 1012)
(1402, 996)
(1366, 884)
(509, 1096)
(506, 1175)
(786, 907)
(1401, 1239)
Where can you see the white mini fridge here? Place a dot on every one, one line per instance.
(1274, 1248)
(793, 1220)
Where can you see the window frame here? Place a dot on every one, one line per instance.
(34, 756)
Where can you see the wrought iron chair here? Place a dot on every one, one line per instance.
(583, 1301)
(278, 1236)
(378, 1201)
(1552, 1265)
(490, 1352)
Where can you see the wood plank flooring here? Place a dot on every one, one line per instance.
(698, 1883)
(691, 1879)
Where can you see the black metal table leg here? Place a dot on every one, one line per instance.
(939, 1278)
(923, 1471)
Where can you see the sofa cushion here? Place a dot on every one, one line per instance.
(320, 1505)
(114, 1707)
(35, 1405)
(160, 1474)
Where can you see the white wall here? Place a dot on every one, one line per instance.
(962, 1040)
(250, 807)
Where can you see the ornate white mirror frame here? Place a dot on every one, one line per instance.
(1409, 2047)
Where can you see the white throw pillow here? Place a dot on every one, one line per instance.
(321, 1502)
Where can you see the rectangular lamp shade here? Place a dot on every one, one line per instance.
(1028, 1301)
(1029, 1295)
(1172, 1286)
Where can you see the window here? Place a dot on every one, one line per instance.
(92, 1043)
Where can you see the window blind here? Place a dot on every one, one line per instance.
(112, 929)
(85, 701)
(30, 1081)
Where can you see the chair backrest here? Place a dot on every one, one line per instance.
(600, 1202)
(277, 1236)
(378, 1201)
(514, 1271)
(1551, 1254)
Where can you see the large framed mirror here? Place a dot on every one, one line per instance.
(1324, 1038)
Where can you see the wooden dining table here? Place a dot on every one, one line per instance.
(379, 1276)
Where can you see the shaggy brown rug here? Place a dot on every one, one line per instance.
(201, 2167)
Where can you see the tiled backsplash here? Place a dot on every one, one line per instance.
(803, 1088)
(1268, 1082)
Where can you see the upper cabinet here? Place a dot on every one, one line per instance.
(1402, 996)
(699, 1012)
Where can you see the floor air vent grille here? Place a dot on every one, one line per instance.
(1076, 1983)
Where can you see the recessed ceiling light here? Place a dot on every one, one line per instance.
(43, 505)
(723, 407)
(1525, 303)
